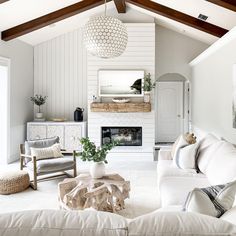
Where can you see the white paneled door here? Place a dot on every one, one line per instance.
(169, 111)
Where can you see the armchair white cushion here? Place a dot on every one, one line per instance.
(52, 165)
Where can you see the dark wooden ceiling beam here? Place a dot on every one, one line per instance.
(85, 5)
(229, 4)
(120, 6)
(50, 18)
(179, 16)
(2, 1)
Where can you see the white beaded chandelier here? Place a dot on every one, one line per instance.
(105, 36)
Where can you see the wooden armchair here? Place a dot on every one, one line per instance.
(47, 166)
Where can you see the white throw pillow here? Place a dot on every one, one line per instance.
(186, 157)
(213, 201)
(181, 143)
(205, 155)
(45, 153)
(222, 167)
(207, 141)
(179, 223)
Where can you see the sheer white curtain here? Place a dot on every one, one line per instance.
(4, 109)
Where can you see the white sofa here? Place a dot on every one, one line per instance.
(92, 223)
(217, 165)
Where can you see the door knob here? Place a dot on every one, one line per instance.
(179, 116)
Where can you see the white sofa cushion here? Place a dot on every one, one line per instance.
(186, 158)
(174, 190)
(174, 184)
(207, 141)
(55, 222)
(166, 168)
(213, 201)
(230, 216)
(179, 223)
(221, 168)
(205, 150)
(180, 142)
(206, 154)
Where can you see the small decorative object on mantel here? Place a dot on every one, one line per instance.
(58, 119)
(96, 154)
(96, 99)
(148, 85)
(78, 114)
(120, 100)
(39, 100)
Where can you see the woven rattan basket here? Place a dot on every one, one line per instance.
(14, 182)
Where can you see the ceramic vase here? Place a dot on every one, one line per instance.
(146, 97)
(97, 170)
(39, 115)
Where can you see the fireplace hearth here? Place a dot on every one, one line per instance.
(127, 136)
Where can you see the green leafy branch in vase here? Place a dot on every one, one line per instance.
(38, 100)
(148, 84)
(91, 152)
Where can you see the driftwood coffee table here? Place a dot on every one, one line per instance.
(105, 194)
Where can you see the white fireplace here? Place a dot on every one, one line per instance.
(140, 54)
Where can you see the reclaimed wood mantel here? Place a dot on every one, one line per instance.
(120, 107)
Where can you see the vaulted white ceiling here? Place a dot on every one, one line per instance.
(15, 12)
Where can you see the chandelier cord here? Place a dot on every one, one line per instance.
(105, 7)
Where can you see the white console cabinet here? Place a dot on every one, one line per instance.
(69, 133)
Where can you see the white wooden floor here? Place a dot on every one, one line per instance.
(143, 196)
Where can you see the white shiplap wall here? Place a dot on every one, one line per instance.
(140, 54)
(60, 72)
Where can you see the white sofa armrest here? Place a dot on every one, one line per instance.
(164, 154)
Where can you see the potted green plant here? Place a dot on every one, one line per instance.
(148, 85)
(97, 155)
(39, 100)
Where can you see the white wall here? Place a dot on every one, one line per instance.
(60, 72)
(174, 51)
(61, 68)
(21, 88)
(61, 65)
(212, 77)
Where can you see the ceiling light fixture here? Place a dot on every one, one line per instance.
(105, 36)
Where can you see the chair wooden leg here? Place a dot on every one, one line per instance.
(21, 163)
(35, 174)
(74, 158)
